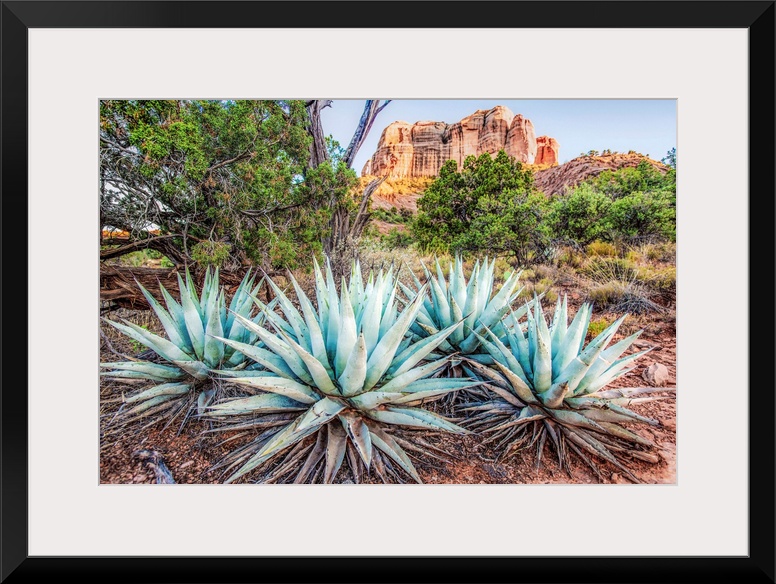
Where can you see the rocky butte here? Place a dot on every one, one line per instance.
(420, 149)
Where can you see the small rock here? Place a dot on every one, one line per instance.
(646, 345)
(615, 477)
(656, 375)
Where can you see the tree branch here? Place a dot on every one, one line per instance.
(372, 107)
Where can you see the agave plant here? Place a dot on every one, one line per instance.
(547, 383)
(453, 300)
(344, 372)
(192, 348)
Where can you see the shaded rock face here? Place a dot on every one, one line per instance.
(420, 149)
(547, 150)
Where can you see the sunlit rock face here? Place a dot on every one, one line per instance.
(547, 150)
(394, 152)
(521, 140)
(420, 149)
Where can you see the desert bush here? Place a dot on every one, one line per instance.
(569, 257)
(490, 206)
(541, 287)
(642, 214)
(602, 249)
(661, 280)
(211, 253)
(396, 238)
(604, 269)
(580, 215)
(655, 252)
(597, 326)
(608, 294)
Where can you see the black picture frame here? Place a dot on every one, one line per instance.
(17, 566)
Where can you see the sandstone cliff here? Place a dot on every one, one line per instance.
(419, 150)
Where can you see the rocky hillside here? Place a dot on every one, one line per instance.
(555, 180)
(419, 150)
(403, 193)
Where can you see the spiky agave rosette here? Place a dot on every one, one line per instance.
(194, 326)
(451, 300)
(546, 383)
(344, 372)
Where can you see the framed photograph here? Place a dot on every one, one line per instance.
(590, 104)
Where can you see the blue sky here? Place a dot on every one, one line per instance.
(579, 125)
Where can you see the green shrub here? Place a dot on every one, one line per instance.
(597, 326)
(396, 238)
(642, 214)
(211, 253)
(490, 206)
(580, 215)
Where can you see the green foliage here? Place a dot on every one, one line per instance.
(145, 257)
(490, 206)
(632, 203)
(670, 158)
(581, 215)
(211, 253)
(621, 285)
(644, 214)
(396, 239)
(643, 177)
(661, 280)
(597, 326)
(230, 171)
(391, 215)
(609, 268)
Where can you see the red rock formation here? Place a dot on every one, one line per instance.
(394, 151)
(558, 179)
(463, 138)
(521, 140)
(420, 149)
(495, 126)
(429, 151)
(547, 150)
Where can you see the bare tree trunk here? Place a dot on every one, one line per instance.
(161, 243)
(371, 109)
(341, 245)
(344, 230)
(318, 152)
